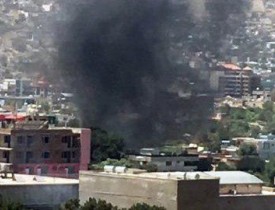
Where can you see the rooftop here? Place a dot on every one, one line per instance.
(23, 179)
(230, 66)
(234, 177)
(155, 175)
(226, 177)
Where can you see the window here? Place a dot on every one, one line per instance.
(7, 139)
(29, 154)
(20, 139)
(190, 163)
(168, 163)
(45, 155)
(19, 155)
(5, 154)
(29, 140)
(75, 142)
(65, 154)
(65, 139)
(266, 145)
(74, 154)
(45, 139)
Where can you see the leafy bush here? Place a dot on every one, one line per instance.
(93, 204)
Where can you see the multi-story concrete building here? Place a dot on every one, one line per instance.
(165, 162)
(177, 190)
(231, 80)
(34, 148)
(265, 145)
(38, 193)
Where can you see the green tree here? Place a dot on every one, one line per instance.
(104, 146)
(268, 106)
(72, 204)
(10, 205)
(150, 167)
(144, 206)
(225, 167)
(270, 171)
(251, 164)
(93, 204)
(247, 149)
(255, 130)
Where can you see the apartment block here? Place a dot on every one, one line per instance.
(231, 80)
(32, 147)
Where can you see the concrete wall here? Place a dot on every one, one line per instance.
(40, 197)
(214, 79)
(172, 194)
(249, 202)
(177, 163)
(198, 194)
(241, 189)
(125, 191)
(85, 142)
(66, 170)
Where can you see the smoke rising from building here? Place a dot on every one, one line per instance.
(128, 64)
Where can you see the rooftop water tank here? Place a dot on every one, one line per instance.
(109, 169)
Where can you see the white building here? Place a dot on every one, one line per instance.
(164, 162)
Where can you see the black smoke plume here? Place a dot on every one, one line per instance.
(127, 61)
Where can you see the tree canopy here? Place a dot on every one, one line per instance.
(105, 146)
(94, 204)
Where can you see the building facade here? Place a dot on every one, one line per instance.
(231, 80)
(177, 190)
(34, 148)
(166, 162)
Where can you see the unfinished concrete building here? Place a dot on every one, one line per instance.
(32, 147)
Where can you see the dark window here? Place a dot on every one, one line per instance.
(65, 139)
(65, 154)
(74, 154)
(7, 139)
(29, 156)
(266, 145)
(168, 163)
(46, 139)
(190, 163)
(18, 155)
(29, 140)
(20, 139)
(46, 155)
(75, 142)
(5, 154)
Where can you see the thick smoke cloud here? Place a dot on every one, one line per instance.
(127, 63)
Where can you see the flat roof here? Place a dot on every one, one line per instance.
(225, 177)
(24, 179)
(156, 175)
(234, 177)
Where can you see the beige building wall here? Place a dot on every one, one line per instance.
(241, 189)
(126, 190)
